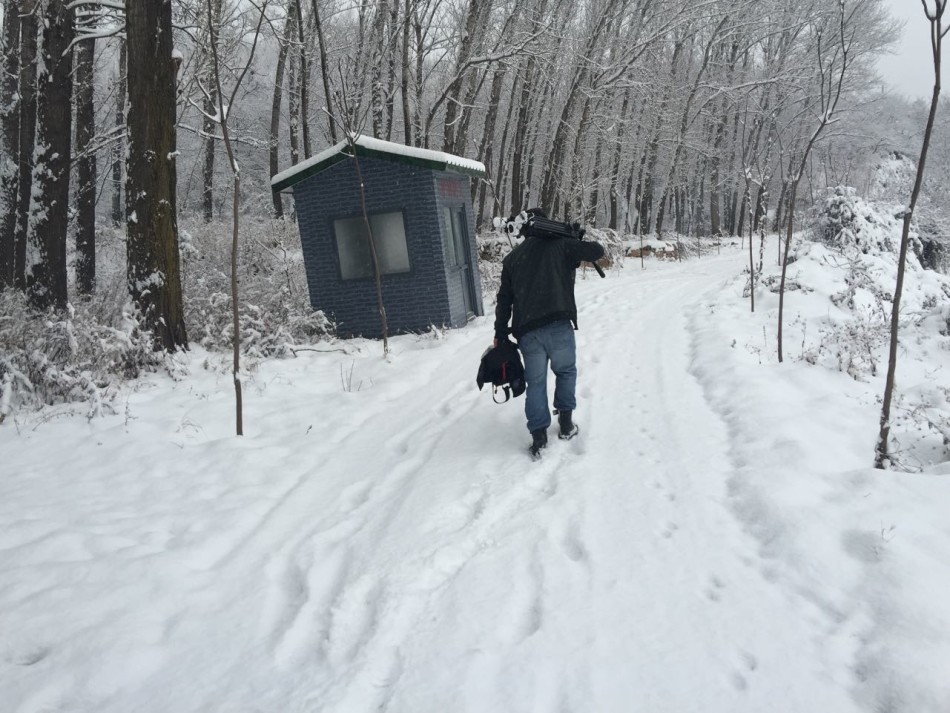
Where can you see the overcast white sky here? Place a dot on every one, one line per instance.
(910, 70)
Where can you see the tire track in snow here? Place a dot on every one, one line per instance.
(431, 575)
(358, 609)
(670, 462)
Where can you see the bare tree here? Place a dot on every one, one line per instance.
(935, 15)
(277, 100)
(833, 62)
(303, 47)
(29, 31)
(9, 137)
(221, 117)
(48, 218)
(118, 148)
(84, 54)
(554, 166)
(351, 136)
(154, 276)
(324, 68)
(687, 118)
(206, 79)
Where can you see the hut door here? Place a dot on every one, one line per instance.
(459, 254)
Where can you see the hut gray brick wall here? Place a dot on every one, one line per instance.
(432, 292)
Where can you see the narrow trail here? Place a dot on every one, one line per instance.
(413, 559)
(438, 536)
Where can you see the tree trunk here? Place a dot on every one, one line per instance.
(275, 116)
(207, 170)
(575, 191)
(731, 194)
(740, 226)
(635, 183)
(521, 133)
(304, 83)
(452, 105)
(118, 148)
(404, 78)
(153, 260)
(390, 95)
(539, 134)
(293, 109)
(210, 108)
(48, 221)
(324, 70)
(418, 88)
(29, 29)
(501, 172)
(648, 182)
(475, 84)
(684, 123)
(554, 165)
(9, 137)
(86, 167)
(379, 45)
(590, 216)
(615, 165)
(486, 144)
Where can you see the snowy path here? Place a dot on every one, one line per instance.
(391, 547)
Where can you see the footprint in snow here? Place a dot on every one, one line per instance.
(739, 678)
(714, 589)
(460, 515)
(355, 495)
(355, 620)
(573, 546)
(29, 655)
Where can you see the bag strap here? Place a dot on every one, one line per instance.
(507, 394)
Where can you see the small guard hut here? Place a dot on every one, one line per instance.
(420, 210)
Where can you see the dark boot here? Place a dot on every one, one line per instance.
(569, 429)
(539, 439)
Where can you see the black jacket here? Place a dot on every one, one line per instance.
(537, 283)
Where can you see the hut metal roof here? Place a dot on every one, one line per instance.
(376, 148)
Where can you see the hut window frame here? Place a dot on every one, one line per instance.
(353, 248)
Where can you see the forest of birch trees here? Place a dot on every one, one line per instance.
(664, 117)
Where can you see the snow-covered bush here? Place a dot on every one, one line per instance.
(849, 274)
(82, 356)
(892, 182)
(934, 249)
(491, 249)
(845, 220)
(275, 309)
(892, 179)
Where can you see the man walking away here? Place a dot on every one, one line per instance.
(537, 295)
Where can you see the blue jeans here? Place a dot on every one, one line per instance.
(555, 343)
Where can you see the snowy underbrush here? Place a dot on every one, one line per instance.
(491, 249)
(891, 183)
(275, 310)
(674, 247)
(839, 316)
(84, 356)
(81, 357)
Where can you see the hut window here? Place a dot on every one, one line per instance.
(352, 242)
(456, 235)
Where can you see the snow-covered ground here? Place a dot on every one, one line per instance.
(714, 541)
